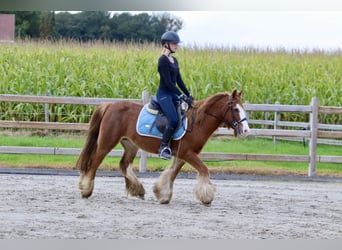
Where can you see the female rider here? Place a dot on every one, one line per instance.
(168, 93)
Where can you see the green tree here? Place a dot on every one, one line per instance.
(47, 25)
(94, 25)
(170, 22)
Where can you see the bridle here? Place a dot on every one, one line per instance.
(235, 122)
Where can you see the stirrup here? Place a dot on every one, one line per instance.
(165, 153)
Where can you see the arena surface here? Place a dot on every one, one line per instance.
(50, 207)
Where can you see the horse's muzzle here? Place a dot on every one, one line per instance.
(243, 128)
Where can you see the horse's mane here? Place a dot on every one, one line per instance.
(205, 104)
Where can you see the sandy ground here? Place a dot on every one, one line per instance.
(46, 206)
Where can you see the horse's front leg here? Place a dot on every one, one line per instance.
(163, 188)
(204, 190)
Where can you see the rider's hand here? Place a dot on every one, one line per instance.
(189, 100)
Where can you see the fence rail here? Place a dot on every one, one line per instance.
(313, 130)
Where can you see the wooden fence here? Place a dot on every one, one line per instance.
(315, 131)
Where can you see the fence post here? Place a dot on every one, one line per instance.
(47, 112)
(276, 120)
(266, 116)
(143, 154)
(313, 139)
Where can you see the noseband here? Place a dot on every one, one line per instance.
(235, 122)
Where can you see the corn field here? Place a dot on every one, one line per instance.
(117, 70)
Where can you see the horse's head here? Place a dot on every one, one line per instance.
(235, 116)
(227, 109)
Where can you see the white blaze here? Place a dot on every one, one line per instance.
(245, 127)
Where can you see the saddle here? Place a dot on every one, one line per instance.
(152, 121)
(161, 120)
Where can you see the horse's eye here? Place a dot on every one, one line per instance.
(236, 110)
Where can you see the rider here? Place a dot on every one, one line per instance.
(168, 94)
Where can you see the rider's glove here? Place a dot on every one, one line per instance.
(189, 100)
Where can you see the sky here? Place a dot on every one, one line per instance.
(271, 24)
(272, 29)
(261, 29)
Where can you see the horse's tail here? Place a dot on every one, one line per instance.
(84, 160)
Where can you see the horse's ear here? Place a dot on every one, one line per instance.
(240, 93)
(234, 93)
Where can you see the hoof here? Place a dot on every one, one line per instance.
(164, 202)
(207, 204)
(163, 196)
(85, 196)
(205, 191)
(86, 187)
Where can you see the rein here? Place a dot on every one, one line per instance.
(192, 121)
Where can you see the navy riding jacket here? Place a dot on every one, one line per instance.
(170, 76)
(167, 93)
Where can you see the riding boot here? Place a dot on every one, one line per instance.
(165, 151)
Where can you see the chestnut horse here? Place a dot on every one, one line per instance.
(112, 123)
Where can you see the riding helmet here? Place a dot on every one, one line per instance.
(170, 37)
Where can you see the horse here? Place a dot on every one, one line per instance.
(113, 123)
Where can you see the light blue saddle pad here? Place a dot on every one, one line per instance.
(145, 126)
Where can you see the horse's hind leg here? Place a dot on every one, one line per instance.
(163, 188)
(133, 186)
(86, 181)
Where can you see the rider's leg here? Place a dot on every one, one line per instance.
(165, 151)
(169, 109)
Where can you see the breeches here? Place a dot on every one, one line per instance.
(168, 106)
